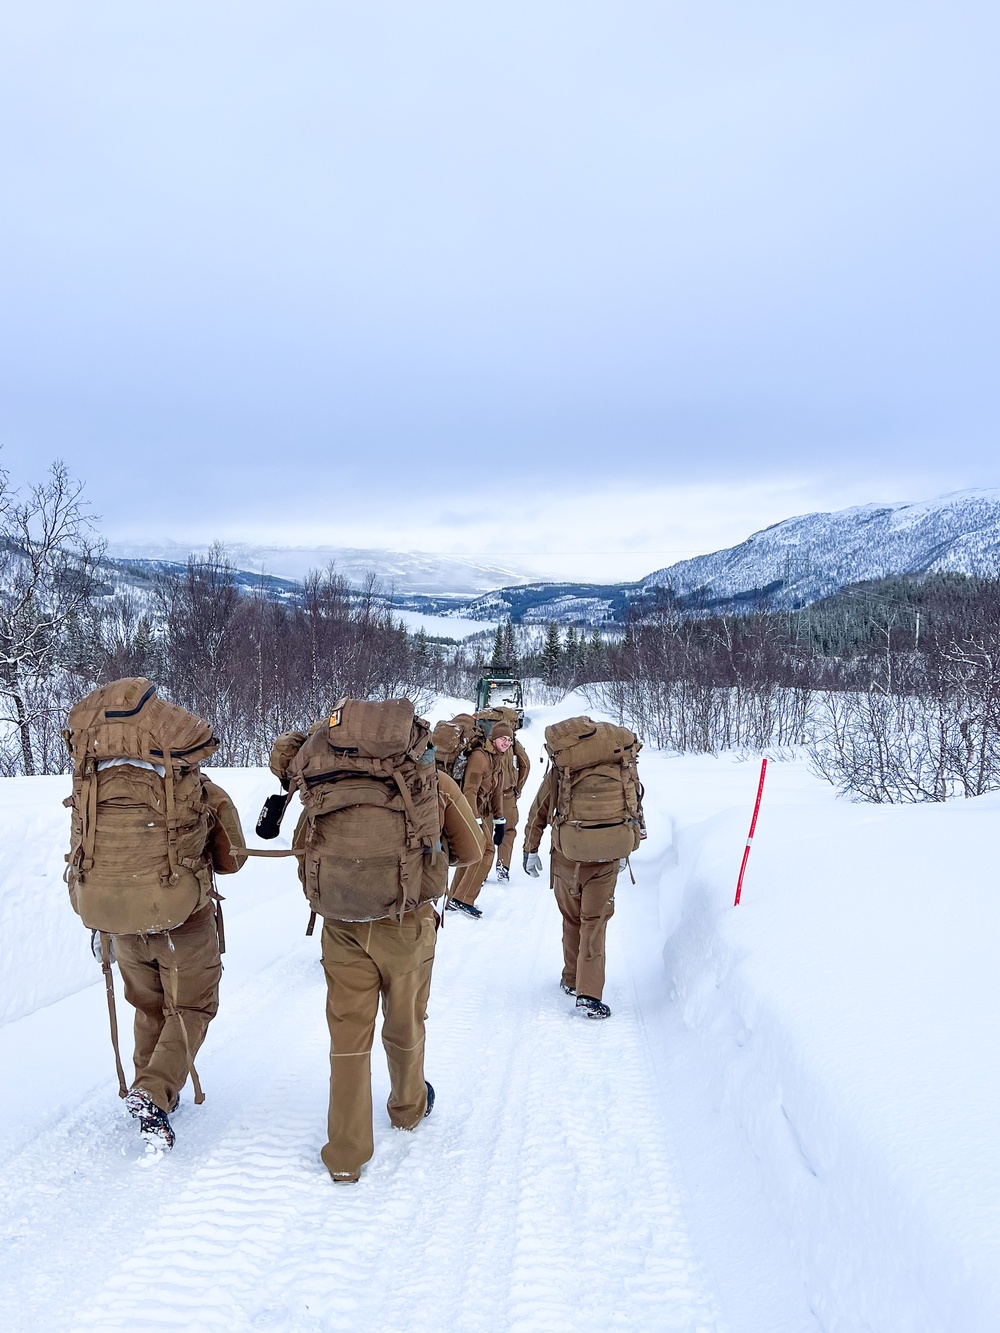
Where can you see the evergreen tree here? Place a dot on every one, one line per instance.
(551, 654)
(497, 660)
(510, 645)
(597, 654)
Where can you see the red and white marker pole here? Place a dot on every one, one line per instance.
(753, 825)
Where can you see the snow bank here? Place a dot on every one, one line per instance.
(845, 1021)
(44, 950)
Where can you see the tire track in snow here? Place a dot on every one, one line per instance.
(539, 1196)
(603, 1236)
(325, 1252)
(81, 1179)
(205, 1260)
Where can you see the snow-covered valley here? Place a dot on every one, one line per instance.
(787, 1125)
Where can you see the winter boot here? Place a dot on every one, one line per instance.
(345, 1177)
(469, 909)
(503, 874)
(591, 1007)
(567, 990)
(430, 1099)
(154, 1127)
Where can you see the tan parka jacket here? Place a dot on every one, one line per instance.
(226, 832)
(482, 782)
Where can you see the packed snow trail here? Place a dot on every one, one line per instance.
(764, 1129)
(539, 1195)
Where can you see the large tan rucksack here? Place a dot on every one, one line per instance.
(498, 713)
(454, 741)
(371, 819)
(139, 860)
(598, 796)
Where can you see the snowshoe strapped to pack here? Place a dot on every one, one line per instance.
(371, 819)
(598, 797)
(138, 860)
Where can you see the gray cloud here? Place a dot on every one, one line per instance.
(314, 249)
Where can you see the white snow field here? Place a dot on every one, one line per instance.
(788, 1124)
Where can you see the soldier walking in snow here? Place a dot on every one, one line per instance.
(149, 833)
(515, 769)
(482, 786)
(591, 797)
(378, 830)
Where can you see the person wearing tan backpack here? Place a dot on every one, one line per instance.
(379, 827)
(149, 834)
(482, 786)
(592, 798)
(516, 767)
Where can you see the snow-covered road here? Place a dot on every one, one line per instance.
(541, 1194)
(761, 1140)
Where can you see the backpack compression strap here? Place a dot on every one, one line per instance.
(171, 810)
(86, 770)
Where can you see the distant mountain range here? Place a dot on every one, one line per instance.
(802, 559)
(781, 567)
(117, 573)
(402, 572)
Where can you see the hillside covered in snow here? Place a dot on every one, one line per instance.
(805, 558)
(788, 565)
(403, 572)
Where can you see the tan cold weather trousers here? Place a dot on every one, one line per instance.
(506, 849)
(470, 879)
(364, 960)
(585, 893)
(179, 966)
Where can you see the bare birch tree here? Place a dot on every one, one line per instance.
(49, 552)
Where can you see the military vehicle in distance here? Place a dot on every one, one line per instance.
(500, 689)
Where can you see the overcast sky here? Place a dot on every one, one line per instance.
(538, 278)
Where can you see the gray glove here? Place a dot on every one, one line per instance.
(532, 864)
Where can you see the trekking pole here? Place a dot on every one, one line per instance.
(753, 825)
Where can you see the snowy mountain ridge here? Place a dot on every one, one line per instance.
(789, 564)
(813, 555)
(401, 571)
(786, 565)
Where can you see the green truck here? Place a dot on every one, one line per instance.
(502, 689)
